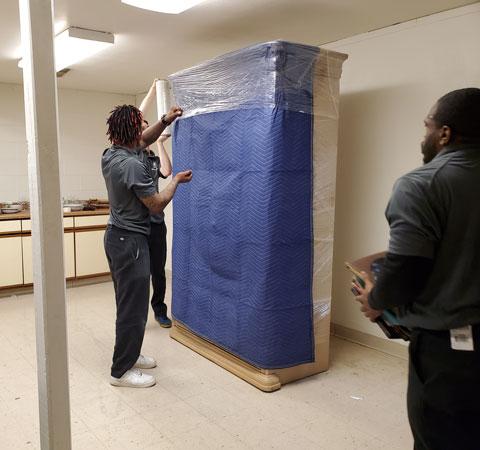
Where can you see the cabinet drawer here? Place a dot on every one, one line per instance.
(68, 222)
(27, 223)
(91, 221)
(10, 226)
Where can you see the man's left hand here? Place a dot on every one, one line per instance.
(362, 297)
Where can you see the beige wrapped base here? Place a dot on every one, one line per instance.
(265, 380)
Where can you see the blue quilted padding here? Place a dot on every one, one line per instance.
(242, 243)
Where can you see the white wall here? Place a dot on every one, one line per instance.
(82, 117)
(391, 79)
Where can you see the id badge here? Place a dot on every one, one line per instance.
(462, 339)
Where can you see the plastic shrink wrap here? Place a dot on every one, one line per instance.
(253, 231)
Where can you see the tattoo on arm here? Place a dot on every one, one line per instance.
(156, 203)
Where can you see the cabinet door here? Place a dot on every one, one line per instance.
(69, 254)
(27, 223)
(68, 257)
(89, 253)
(11, 262)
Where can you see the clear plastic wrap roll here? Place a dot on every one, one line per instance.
(163, 100)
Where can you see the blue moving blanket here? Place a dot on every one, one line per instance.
(242, 242)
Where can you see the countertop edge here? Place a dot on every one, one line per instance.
(25, 215)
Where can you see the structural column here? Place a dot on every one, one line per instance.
(40, 90)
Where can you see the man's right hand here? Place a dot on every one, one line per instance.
(361, 296)
(184, 177)
(175, 111)
(156, 203)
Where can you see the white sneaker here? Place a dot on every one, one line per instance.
(133, 378)
(145, 362)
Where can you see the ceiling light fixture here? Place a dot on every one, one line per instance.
(76, 44)
(164, 6)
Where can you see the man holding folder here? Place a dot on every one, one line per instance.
(431, 274)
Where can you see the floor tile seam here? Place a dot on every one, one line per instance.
(87, 433)
(209, 417)
(348, 423)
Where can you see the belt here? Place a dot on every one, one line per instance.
(115, 229)
(446, 333)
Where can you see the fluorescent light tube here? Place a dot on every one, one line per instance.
(76, 44)
(164, 6)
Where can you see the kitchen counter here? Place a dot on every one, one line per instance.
(26, 214)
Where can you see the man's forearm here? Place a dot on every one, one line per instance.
(157, 203)
(400, 281)
(152, 133)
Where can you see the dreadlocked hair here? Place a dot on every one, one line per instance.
(124, 125)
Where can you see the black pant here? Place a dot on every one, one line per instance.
(158, 255)
(443, 392)
(129, 261)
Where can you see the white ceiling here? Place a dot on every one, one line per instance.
(150, 44)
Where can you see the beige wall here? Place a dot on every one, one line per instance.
(390, 80)
(82, 117)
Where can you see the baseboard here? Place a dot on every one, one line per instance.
(73, 282)
(368, 340)
(104, 278)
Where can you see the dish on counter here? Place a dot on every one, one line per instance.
(74, 206)
(11, 208)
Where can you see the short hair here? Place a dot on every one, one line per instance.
(460, 111)
(124, 124)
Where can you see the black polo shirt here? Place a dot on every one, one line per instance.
(127, 179)
(152, 161)
(434, 212)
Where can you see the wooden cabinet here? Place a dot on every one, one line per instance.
(84, 254)
(11, 271)
(68, 255)
(89, 253)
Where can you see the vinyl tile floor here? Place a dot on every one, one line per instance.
(358, 404)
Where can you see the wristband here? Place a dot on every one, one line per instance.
(165, 122)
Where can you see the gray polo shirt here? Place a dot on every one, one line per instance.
(434, 212)
(127, 179)
(152, 161)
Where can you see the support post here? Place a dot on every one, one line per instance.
(40, 90)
